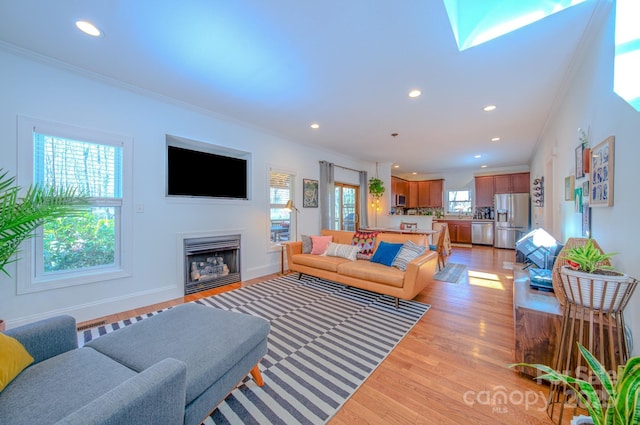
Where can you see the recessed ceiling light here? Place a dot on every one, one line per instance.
(396, 166)
(478, 156)
(414, 173)
(483, 166)
(315, 126)
(415, 93)
(88, 28)
(489, 108)
(495, 139)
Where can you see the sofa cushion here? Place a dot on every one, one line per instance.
(366, 242)
(372, 272)
(321, 262)
(408, 252)
(54, 388)
(222, 337)
(386, 253)
(320, 244)
(342, 250)
(14, 358)
(307, 244)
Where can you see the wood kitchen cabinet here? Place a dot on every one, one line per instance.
(436, 192)
(459, 230)
(511, 183)
(424, 193)
(412, 199)
(420, 194)
(484, 191)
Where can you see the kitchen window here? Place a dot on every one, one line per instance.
(459, 202)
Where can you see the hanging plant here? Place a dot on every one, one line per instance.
(376, 187)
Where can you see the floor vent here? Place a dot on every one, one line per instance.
(92, 325)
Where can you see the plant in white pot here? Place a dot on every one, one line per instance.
(615, 401)
(590, 281)
(21, 215)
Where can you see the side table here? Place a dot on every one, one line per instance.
(537, 318)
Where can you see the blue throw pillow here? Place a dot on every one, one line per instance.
(386, 253)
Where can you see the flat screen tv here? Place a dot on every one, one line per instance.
(194, 172)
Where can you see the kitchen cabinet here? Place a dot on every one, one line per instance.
(398, 187)
(436, 193)
(412, 199)
(420, 194)
(511, 183)
(484, 191)
(424, 193)
(459, 230)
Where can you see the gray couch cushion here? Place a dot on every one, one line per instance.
(220, 339)
(50, 390)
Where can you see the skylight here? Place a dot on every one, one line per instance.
(475, 22)
(627, 57)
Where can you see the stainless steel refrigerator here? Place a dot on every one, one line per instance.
(511, 218)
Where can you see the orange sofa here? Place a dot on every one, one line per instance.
(365, 274)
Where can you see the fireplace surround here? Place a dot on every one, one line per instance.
(210, 262)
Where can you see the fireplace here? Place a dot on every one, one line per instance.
(210, 262)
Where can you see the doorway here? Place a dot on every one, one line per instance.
(347, 212)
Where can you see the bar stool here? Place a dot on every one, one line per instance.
(592, 316)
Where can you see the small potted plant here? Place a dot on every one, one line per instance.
(620, 404)
(589, 279)
(376, 187)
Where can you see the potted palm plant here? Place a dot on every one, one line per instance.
(21, 215)
(589, 279)
(620, 403)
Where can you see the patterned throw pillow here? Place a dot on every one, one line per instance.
(306, 244)
(408, 252)
(342, 250)
(365, 241)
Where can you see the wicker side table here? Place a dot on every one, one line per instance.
(592, 316)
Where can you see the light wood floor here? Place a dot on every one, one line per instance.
(450, 369)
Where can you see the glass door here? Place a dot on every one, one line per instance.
(346, 207)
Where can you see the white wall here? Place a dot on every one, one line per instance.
(43, 90)
(589, 102)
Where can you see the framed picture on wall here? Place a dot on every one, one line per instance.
(579, 159)
(586, 221)
(569, 185)
(601, 187)
(309, 193)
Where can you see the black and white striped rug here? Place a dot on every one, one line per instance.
(325, 340)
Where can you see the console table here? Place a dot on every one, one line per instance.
(537, 317)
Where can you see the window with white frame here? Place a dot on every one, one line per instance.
(280, 191)
(459, 202)
(80, 248)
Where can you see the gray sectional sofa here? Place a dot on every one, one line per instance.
(172, 368)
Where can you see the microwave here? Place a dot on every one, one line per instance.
(401, 201)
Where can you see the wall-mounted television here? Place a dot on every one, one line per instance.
(201, 170)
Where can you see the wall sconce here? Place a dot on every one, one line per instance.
(290, 207)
